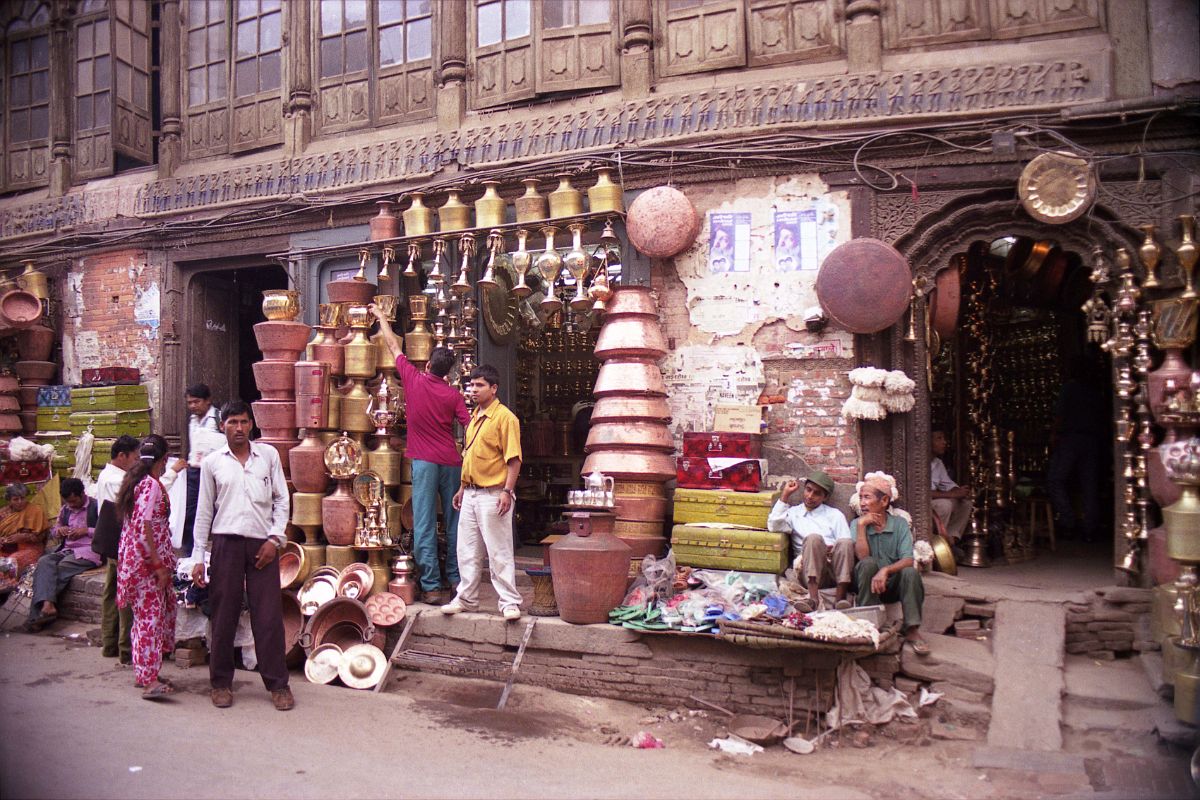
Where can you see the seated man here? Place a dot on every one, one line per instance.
(76, 525)
(820, 536)
(951, 502)
(884, 546)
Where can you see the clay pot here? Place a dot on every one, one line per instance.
(339, 516)
(632, 300)
(36, 373)
(630, 336)
(10, 384)
(281, 340)
(36, 343)
(9, 404)
(620, 435)
(633, 464)
(28, 420)
(28, 396)
(662, 222)
(308, 465)
(384, 225)
(630, 378)
(351, 291)
(275, 415)
(276, 380)
(627, 409)
(283, 446)
(20, 309)
(590, 570)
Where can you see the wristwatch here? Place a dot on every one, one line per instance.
(511, 493)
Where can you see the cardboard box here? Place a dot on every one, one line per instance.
(738, 419)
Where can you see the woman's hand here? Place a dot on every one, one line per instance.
(162, 577)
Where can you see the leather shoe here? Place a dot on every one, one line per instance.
(436, 597)
(283, 700)
(222, 698)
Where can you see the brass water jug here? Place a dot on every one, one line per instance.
(418, 219)
(489, 209)
(605, 195)
(453, 215)
(566, 200)
(531, 206)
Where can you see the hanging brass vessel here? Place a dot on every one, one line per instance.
(605, 195)
(418, 219)
(361, 356)
(414, 260)
(418, 343)
(522, 260)
(462, 284)
(353, 416)
(453, 215)
(549, 264)
(576, 262)
(435, 275)
(37, 284)
(1150, 253)
(566, 200)
(1187, 255)
(531, 206)
(489, 209)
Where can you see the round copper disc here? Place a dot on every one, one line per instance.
(864, 285)
(386, 609)
(946, 299)
(662, 222)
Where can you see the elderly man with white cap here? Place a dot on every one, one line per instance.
(820, 536)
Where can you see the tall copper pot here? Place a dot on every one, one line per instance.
(620, 435)
(630, 336)
(630, 377)
(616, 408)
(590, 569)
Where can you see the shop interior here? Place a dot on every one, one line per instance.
(999, 378)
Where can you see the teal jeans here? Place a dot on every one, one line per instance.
(431, 483)
(904, 586)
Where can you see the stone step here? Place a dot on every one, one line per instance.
(1120, 684)
(1027, 703)
(962, 662)
(1088, 718)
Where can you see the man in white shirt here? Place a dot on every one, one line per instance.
(820, 535)
(202, 416)
(951, 502)
(244, 508)
(115, 623)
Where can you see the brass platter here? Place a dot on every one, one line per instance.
(1057, 187)
(499, 306)
(368, 488)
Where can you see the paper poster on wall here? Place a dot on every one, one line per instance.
(728, 242)
(796, 241)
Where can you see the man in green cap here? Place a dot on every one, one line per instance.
(820, 535)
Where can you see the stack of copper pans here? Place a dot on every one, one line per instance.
(630, 438)
(281, 339)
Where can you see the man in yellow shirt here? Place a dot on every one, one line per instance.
(491, 463)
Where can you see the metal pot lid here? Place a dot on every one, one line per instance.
(386, 609)
(322, 664)
(864, 285)
(362, 666)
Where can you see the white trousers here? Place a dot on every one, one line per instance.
(955, 515)
(481, 527)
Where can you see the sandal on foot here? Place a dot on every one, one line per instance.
(919, 646)
(157, 692)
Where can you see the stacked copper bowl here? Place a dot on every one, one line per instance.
(281, 339)
(10, 423)
(630, 438)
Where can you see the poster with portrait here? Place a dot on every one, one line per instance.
(796, 241)
(728, 242)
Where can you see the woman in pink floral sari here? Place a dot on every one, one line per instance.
(145, 566)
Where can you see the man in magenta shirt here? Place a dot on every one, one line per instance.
(431, 406)
(76, 526)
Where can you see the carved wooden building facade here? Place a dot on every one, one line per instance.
(150, 144)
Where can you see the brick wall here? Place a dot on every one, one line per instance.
(110, 316)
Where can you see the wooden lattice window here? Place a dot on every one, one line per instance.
(519, 49)
(27, 101)
(374, 62)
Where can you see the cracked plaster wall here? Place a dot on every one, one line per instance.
(735, 335)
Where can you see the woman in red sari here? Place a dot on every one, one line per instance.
(146, 564)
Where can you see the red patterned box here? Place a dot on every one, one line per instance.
(717, 444)
(112, 376)
(701, 473)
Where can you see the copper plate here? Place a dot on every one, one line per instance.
(500, 306)
(322, 664)
(864, 285)
(946, 298)
(319, 589)
(362, 666)
(1057, 187)
(386, 609)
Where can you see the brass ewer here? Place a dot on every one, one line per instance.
(1150, 253)
(418, 219)
(531, 206)
(489, 209)
(522, 260)
(549, 264)
(1186, 253)
(360, 351)
(576, 262)
(453, 215)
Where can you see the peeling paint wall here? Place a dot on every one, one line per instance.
(111, 313)
(737, 335)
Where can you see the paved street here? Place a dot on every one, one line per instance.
(75, 727)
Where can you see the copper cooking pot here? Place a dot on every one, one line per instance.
(338, 610)
(632, 300)
(293, 626)
(620, 435)
(635, 464)
(630, 335)
(630, 378)
(627, 409)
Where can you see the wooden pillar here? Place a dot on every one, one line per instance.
(864, 36)
(298, 122)
(170, 143)
(62, 66)
(637, 43)
(452, 71)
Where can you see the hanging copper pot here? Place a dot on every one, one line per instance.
(632, 336)
(616, 408)
(620, 435)
(864, 285)
(634, 464)
(662, 222)
(630, 378)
